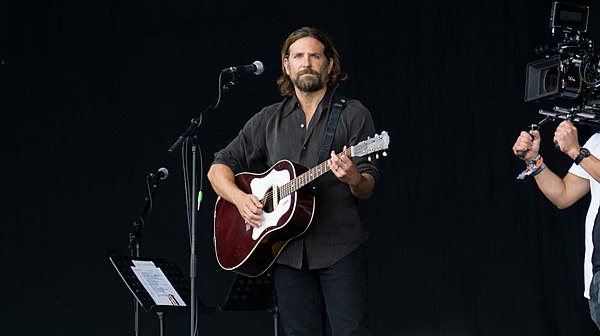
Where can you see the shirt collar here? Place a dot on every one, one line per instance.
(292, 104)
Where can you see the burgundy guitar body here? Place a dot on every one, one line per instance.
(249, 251)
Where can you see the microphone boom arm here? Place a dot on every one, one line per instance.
(195, 122)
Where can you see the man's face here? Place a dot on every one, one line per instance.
(307, 65)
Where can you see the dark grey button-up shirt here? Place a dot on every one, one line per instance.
(279, 132)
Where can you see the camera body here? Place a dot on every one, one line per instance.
(571, 69)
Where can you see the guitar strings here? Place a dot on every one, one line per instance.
(290, 187)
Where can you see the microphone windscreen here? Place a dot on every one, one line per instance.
(260, 68)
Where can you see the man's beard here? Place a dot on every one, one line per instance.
(309, 83)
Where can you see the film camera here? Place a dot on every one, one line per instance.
(570, 70)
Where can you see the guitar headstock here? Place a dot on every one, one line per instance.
(376, 144)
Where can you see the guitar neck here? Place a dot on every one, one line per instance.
(309, 176)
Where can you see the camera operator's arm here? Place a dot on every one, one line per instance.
(562, 192)
(566, 138)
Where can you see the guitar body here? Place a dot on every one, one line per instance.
(252, 251)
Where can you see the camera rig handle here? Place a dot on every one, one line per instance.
(587, 115)
(534, 127)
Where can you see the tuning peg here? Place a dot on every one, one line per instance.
(384, 153)
(369, 157)
(377, 156)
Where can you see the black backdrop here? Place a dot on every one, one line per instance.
(93, 93)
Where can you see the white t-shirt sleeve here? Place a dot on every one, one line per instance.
(593, 145)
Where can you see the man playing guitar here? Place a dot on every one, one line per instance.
(322, 272)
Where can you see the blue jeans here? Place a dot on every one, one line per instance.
(337, 294)
(595, 298)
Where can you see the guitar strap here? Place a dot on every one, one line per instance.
(336, 105)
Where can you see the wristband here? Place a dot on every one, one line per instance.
(539, 169)
(532, 166)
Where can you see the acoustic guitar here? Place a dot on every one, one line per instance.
(287, 211)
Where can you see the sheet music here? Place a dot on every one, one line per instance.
(156, 283)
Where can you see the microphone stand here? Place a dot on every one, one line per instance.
(195, 200)
(135, 239)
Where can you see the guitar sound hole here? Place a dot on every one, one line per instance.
(268, 205)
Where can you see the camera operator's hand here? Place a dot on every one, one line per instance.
(565, 139)
(528, 143)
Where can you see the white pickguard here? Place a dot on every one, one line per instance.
(259, 187)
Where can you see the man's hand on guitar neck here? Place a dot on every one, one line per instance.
(344, 168)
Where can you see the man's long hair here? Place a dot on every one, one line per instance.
(286, 87)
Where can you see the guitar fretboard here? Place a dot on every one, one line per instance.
(308, 176)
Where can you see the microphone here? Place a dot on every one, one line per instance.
(256, 68)
(162, 174)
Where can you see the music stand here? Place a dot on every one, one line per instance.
(157, 284)
(253, 294)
